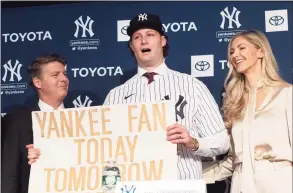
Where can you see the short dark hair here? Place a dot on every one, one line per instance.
(34, 69)
(165, 48)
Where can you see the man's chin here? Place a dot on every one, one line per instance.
(147, 62)
(62, 94)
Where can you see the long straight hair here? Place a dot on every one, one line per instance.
(236, 96)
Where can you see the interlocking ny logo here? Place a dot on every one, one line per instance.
(142, 17)
(126, 190)
(179, 107)
(233, 18)
(14, 71)
(276, 20)
(86, 27)
(86, 103)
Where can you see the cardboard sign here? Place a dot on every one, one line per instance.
(76, 143)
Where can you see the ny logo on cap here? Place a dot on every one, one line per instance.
(142, 17)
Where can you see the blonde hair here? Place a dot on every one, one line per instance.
(236, 95)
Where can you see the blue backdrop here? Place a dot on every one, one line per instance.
(91, 36)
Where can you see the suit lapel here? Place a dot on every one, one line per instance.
(30, 129)
(35, 108)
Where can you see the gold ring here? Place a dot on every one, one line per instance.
(267, 155)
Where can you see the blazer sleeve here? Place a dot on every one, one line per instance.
(11, 156)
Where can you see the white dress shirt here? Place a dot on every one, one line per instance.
(195, 107)
(45, 107)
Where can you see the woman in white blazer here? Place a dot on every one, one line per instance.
(257, 111)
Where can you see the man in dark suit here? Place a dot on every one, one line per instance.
(48, 76)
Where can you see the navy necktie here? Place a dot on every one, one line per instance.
(150, 76)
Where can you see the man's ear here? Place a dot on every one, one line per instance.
(130, 45)
(37, 82)
(163, 41)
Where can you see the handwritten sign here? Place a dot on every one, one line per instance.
(76, 143)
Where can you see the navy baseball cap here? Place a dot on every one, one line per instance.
(145, 21)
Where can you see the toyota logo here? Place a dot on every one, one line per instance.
(124, 30)
(276, 20)
(202, 65)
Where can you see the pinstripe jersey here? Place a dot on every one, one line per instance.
(195, 107)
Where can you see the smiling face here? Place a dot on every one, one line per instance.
(53, 82)
(245, 56)
(147, 45)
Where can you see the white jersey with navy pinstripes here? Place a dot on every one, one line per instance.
(195, 107)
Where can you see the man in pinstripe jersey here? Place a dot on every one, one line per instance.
(199, 130)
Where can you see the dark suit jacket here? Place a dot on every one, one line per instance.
(18, 133)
